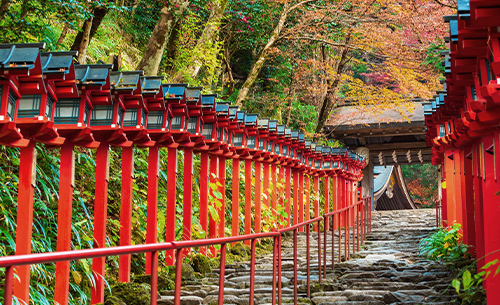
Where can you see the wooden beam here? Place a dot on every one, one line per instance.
(395, 146)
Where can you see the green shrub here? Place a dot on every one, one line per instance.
(445, 245)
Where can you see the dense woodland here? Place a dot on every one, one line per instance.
(295, 61)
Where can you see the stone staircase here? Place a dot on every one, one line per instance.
(387, 270)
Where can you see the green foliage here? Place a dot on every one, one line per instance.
(445, 245)
(422, 183)
(433, 57)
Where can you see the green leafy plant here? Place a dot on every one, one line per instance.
(445, 245)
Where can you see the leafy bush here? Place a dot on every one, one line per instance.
(445, 245)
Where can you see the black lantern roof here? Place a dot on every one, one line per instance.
(193, 94)
(302, 137)
(273, 125)
(174, 91)
(307, 144)
(92, 74)
(463, 9)
(208, 100)
(343, 151)
(57, 62)
(335, 151)
(281, 129)
(295, 134)
(19, 56)
(127, 80)
(313, 146)
(251, 119)
(319, 148)
(232, 112)
(326, 150)
(240, 116)
(263, 123)
(151, 84)
(222, 108)
(427, 108)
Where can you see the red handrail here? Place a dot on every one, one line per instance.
(9, 262)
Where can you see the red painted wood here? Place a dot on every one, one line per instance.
(126, 211)
(170, 218)
(257, 196)
(100, 217)
(235, 210)
(248, 197)
(204, 195)
(307, 193)
(280, 190)
(25, 200)
(444, 199)
(300, 193)
(212, 223)
(288, 200)
(265, 185)
(316, 200)
(295, 202)
(457, 171)
(222, 190)
(468, 204)
(64, 214)
(274, 197)
(334, 199)
(491, 210)
(327, 201)
(152, 210)
(187, 209)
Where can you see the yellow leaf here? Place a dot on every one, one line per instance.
(77, 277)
(446, 245)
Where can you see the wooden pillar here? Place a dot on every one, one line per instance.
(257, 198)
(451, 214)
(301, 199)
(478, 202)
(468, 199)
(295, 202)
(288, 187)
(327, 201)
(100, 217)
(152, 210)
(222, 190)
(248, 198)
(316, 200)
(274, 177)
(212, 223)
(307, 193)
(265, 184)
(457, 181)
(64, 215)
(204, 196)
(334, 200)
(280, 190)
(187, 212)
(126, 211)
(235, 211)
(170, 219)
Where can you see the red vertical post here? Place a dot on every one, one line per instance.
(301, 200)
(248, 198)
(126, 211)
(152, 210)
(274, 178)
(491, 210)
(308, 198)
(288, 187)
(25, 199)
(257, 198)
(295, 202)
(265, 184)
(316, 201)
(468, 204)
(222, 190)
(457, 173)
(212, 223)
(204, 195)
(444, 198)
(100, 216)
(327, 201)
(334, 200)
(281, 189)
(64, 214)
(187, 212)
(235, 211)
(171, 201)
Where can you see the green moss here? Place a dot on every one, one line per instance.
(132, 293)
(187, 273)
(240, 249)
(200, 264)
(164, 282)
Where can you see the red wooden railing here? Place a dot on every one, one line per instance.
(361, 225)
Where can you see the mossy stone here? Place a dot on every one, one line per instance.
(132, 293)
(164, 282)
(200, 264)
(112, 300)
(240, 249)
(187, 273)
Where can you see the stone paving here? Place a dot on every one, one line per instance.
(387, 270)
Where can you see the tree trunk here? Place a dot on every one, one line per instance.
(82, 48)
(172, 46)
(156, 45)
(261, 58)
(4, 7)
(99, 14)
(329, 101)
(207, 38)
(64, 32)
